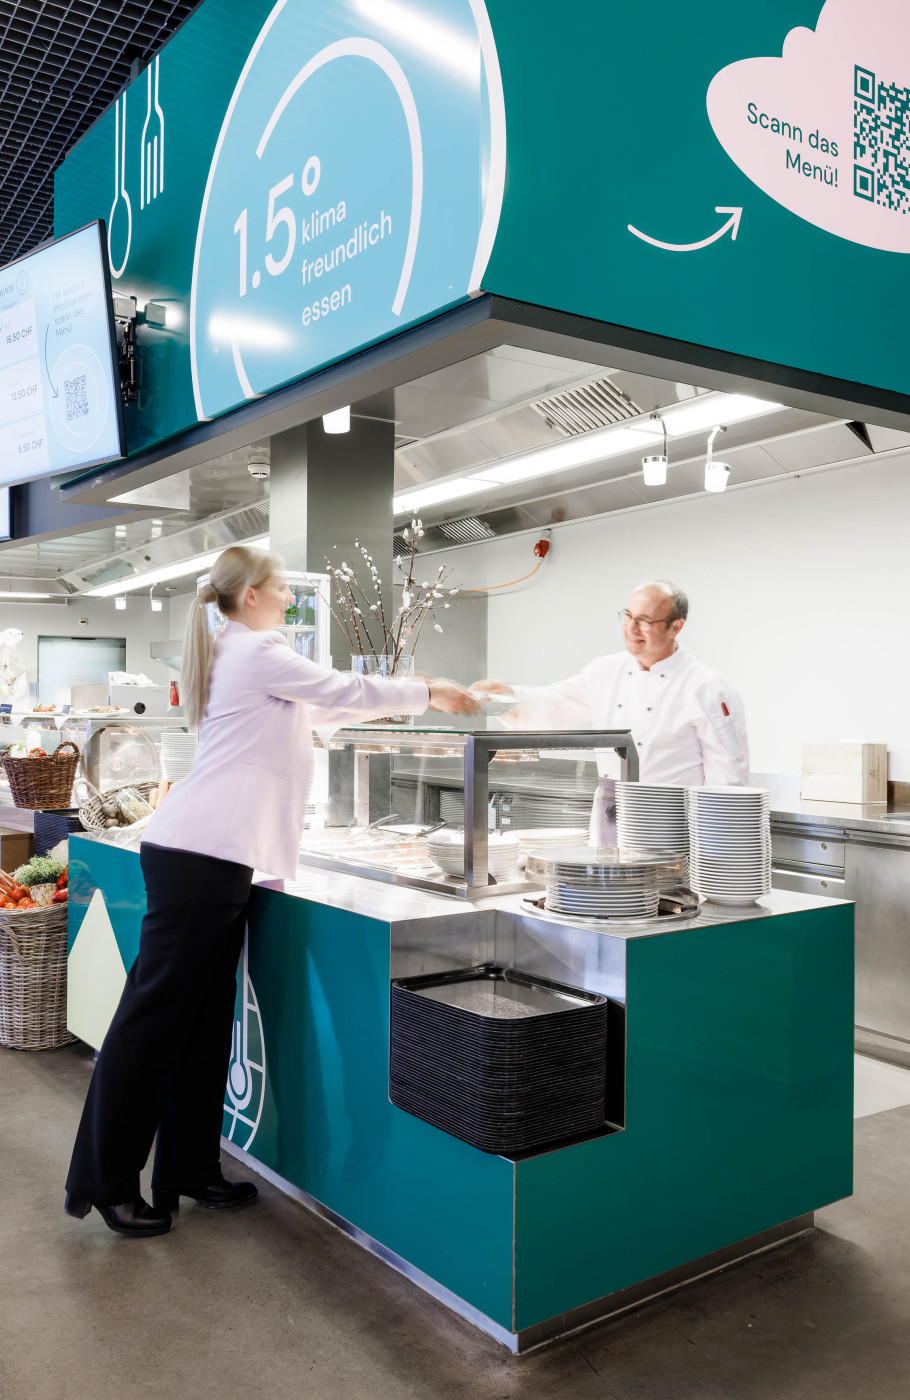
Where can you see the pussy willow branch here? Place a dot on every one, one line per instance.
(340, 621)
(349, 616)
(353, 615)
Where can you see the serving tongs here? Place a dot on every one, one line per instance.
(410, 830)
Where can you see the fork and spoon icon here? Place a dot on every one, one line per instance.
(151, 165)
(152, 144)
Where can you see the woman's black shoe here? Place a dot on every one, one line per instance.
(134, 1218)
(216, 1195)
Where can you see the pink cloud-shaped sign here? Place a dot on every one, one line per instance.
(825, 129)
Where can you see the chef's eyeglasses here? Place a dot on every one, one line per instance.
(625, 616)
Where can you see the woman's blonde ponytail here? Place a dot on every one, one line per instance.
(233, 572)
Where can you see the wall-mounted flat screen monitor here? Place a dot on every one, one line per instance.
(59, 381)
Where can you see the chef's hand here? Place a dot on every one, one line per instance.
(494, 688)
(451, 698)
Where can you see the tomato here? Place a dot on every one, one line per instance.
(38, 753)
(16, 892)
(61, 897)
(26, 903)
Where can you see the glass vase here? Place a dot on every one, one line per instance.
(383, 666)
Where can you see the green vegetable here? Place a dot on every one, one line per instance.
(41, 870)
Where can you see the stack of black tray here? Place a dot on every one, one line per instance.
(505, 1061)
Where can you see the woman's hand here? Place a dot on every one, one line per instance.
(493, 688)
(451, 698)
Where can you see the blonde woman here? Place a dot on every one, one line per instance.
(164, 1061)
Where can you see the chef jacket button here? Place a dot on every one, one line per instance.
(649, 709)
(619, 706)
(662, 676)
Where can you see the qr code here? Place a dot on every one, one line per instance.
(76, 397)
(881, 141)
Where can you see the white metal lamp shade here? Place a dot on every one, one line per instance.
(654, 470)
(337, 422)
(717, 474)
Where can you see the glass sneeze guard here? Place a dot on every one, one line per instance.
(380, 810)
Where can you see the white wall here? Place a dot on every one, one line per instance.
(138, 624)
(178, 609)
(799, 592)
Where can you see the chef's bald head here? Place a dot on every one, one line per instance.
(678, 600)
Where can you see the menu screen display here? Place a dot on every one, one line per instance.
(59, 384)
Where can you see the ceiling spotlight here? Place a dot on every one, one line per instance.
(654, 469)
(717, 474)
(120, 532)
(259, 469)
(156, 602)
(156, 529)
(337, 422)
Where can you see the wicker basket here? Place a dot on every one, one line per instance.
(42, 783)
(33, 979)
(90, 813)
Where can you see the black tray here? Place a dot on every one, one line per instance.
(501, 1059)
(539, 995)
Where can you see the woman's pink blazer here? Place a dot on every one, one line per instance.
(245, 799)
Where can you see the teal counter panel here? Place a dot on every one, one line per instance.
(321, 979)
(739, 1094)
(314, 997)
(738, 1100)
(118, 875)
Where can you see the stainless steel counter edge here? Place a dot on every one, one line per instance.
(852, 819)
(391, 904)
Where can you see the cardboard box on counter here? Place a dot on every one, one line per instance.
(845, 771)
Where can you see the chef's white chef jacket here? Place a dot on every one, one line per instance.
(686, 721)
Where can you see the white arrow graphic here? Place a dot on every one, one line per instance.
(732, 224)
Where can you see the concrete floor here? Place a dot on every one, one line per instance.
(273, 1302)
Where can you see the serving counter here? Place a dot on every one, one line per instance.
(728, 1109)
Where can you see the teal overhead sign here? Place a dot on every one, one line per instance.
(296, 181)
(345, 195)
(732, 176)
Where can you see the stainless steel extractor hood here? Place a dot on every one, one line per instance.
(168, 653)
(216, 533)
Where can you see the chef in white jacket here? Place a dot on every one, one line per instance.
(686, 721)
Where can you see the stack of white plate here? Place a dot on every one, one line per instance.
(446, 849)
(178, 750)
(547, 838)
(730, 843)
(596, 882)
(652, 817)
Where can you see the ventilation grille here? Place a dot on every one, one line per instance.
(400, 547)
(595, 404)
(470, 530)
